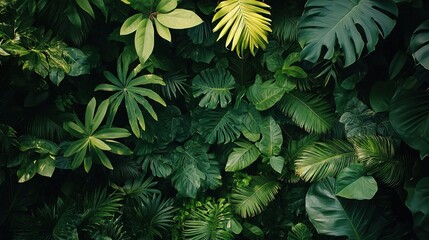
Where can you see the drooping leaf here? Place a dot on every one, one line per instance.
(380, 159)
(419, 44)
(324, 159)
(241, 156)
(334, 216)
(308, 110)
(251, 200)
(352, 183)
(272, 139)
(354, 26)
(245, 21)
(215, 86)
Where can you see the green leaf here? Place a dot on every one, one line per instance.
(46, 166)
(84, 4)
(272, 139)
(215, 86)
(179, 19)
(144, 40)
(251, 200)
(299, 231)
(294, 71)
(219, 126)
(277, 163)
(419, 44)
(118, 148)
(334, 216)
(131, 24)
(78, 62)
(245, 21)
(353, 26)
(381, 95)
(112, 133)
(416, 201)
(308, 110)
(162, 31)
(103, 158)
(264, 94)
(324, 159)
(353, 184)
(358, 119)
(165, 6)
(409, 116)
(241, 156)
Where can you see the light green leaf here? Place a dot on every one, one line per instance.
(241, 156)
(46, 166)
(277, 163)
(118, 148)
(131, 24)
(103, 158)
(144, 40)
(112, 133)
(162, 31)
(165, 6)
(179, 19)
(294, 71)
(352, 183)
(272, 139)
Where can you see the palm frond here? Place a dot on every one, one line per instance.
(245, 22)
(380, 159)
(139, 188)
(324, 159)
(308, 110)
(175, 85)
(285, 26)
(219, 126)
(111, 229)
(251, 200)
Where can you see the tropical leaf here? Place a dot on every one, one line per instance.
(409, 115)
(352, 183)
(335, 216)
(308, 110)
(264, 94)
(378, 156)
(215, 86)
(219, 126)
(417, 198)
(272, 139)
(175, 85)
(242, 156)
(324, 159)
(358, 119)
(285, 26)
(244, 21)
(355, 25)
(212, 220)
(419, 44)
(299, 232)
(251, 200)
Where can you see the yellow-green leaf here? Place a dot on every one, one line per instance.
(179, 19)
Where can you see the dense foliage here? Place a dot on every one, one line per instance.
(230, 119)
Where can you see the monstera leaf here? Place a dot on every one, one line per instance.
(215, 86)
(331, 215)
(420, 44)
(244, 20)
(409, 117)
(354, 24)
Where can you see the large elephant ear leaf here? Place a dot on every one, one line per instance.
(409, 117)
(355, 25)
(335, 216)
(215, 86)
(420, 44)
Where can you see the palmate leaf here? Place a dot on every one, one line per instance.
(324, 159)
(215, 85)
(419, 44)
(251, 200)
(379, 157)
(330, 215)
(221, 126)
(354, 24)
(244, 21)
(308, 110)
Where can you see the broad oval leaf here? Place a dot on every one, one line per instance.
(352, 183)
(309, 111)
(354, 24)
(356, 219)
(242, 156)
(272, 139)
(144, 40)
(131, 24)
(215, 85)
(165, 6)
(419, 44)
(162, 30)
(264, 95)
(179, 19)
(324, 159)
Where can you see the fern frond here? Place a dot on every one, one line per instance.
(251, 200)
(308, 110)
(245, 22)
(324, 159)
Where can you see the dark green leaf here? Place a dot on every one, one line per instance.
(419, 44)
(242, 156)
(352, 183)
(272, 139)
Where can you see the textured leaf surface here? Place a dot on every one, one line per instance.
(242, 156)
(272, 139)
(352, 183)
(420, 44)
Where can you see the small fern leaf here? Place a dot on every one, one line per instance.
(309, 111)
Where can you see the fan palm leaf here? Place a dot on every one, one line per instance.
(245, 22)
(324, 159)
(251, 200)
